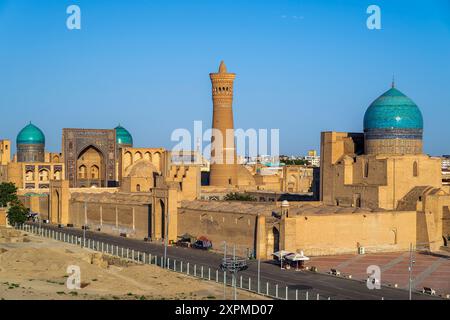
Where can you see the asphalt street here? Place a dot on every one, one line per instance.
(299, 283)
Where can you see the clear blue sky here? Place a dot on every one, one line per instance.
(302, 66)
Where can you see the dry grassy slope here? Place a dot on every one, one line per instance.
(35, 268)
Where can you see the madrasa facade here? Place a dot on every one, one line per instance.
(376, 190)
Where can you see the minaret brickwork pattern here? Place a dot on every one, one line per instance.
(223, 170)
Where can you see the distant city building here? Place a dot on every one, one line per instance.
(313, 158)
(446, 162)
(189, 158)
(445, 166)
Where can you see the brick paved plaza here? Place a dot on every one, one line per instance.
(428, 270)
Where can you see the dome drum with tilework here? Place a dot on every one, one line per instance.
(30, 144)
(123, 137)
(393, 124)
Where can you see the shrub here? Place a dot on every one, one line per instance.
(17, 214)
(8, 194)
(234, 196)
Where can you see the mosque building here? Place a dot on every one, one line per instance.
(32, 167)
(378, 190)
(377, 168)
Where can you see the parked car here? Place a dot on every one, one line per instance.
(229, 264)
(181, 243)
(202, 244)
(185, 240)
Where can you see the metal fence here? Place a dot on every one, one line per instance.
(240, 282)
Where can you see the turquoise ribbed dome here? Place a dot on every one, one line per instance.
(393, 110)
(30, 135)
(123, 136)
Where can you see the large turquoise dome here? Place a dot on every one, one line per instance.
(393, 124)
(30, 135)
(123, 137)
(393, 110)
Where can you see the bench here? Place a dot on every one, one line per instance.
(429, 291)
(335, 272)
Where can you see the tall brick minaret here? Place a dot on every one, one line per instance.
(223, 169)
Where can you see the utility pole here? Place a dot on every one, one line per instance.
(234, 272)
(85, 224)
(259, 275)
(411, 262)
(224, 279)
(166, 236)
(281, 259)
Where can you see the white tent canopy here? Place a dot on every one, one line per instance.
(297, 257)
(282, 253)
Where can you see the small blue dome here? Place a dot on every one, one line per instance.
(30, 135)
(393, 110)
(123, 137)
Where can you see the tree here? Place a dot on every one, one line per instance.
(8, 194)
(298, 162)
(234, 196)
(17, 214)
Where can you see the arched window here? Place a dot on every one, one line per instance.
(366, 169)
(415, 169)
(291, 184)
(138, 188)
(157, 160)
(95, 172)
(394, 236)
(43, 175)
(137, 156)
(127, 159)
(57, 175)
(82, 172)
(29, 175)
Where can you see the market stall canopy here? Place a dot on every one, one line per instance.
(297, 257)
(187, 237)
(282, 253)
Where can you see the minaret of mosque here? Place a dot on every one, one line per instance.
(223, 169)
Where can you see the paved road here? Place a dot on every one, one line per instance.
(335, 288)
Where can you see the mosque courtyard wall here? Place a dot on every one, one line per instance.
(115, 213)
(237, 229)
(330, 234)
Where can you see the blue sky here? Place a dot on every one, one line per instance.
(302, 66)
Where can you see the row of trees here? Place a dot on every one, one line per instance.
(298, 162)
(17, 212)
(234, 196)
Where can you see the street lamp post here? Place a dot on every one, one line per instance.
(233, 265)
(85, 224)
(166, 236)
(224, 279)
(84, 236)
(234, 272)
(259, 275)
(281, 259)
(411, 262)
